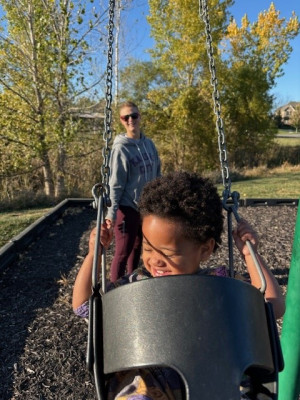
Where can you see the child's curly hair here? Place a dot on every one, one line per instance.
(186, 198)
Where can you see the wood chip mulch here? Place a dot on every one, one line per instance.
(43, 344)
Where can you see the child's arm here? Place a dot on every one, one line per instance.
(83, 284)
(273, 293)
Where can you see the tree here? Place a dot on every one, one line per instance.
(265, 41)
(180, 101)
(255, 54)
(44, 56)
(246, 70)
(246, 108)
(138, 78)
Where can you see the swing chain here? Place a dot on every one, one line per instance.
(101, 194)
(230, 208)
(107, 135)
(203, 12)
(234, 196)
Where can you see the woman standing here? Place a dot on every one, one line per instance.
(134, 162)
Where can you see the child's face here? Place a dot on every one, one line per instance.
(167, 252)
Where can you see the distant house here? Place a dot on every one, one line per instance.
(284, 114)
(91, 117)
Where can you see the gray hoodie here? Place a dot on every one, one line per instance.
(133, 163)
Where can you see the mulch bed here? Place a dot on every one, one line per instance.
(42, 343)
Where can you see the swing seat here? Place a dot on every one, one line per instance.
(211, 330)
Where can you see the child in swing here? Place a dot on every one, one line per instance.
(182, 223)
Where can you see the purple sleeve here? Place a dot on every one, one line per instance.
(83, 310)
(221, 271)
(216, 271)
(138, 274)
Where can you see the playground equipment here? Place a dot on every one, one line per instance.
(289, 378)
(238, 335)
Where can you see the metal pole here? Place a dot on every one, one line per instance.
(289, 378)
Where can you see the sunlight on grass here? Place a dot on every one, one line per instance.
(281, 182)
(263, 171)
(287, 141)
(265, 188)
(14, 222)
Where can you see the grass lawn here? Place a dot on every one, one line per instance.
(288, 141)
(14, 222)
(286, 131)
(284, 185)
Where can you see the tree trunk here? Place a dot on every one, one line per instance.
(48, 180)
(60, 189)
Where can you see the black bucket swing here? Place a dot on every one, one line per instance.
(231, 328)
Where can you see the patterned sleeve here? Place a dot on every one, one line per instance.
(83, 310)
(222, 271)
(217, 271)
(139, 274)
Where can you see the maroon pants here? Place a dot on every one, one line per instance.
(128, 242)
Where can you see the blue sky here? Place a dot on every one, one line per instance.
(287, 87)
(137, 39)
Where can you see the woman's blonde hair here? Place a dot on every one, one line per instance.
(128, 104)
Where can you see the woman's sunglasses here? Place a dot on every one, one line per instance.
(126, 117)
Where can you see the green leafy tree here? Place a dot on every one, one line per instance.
(186, 126)
(247, 60)
(44, 58)
(247, 107)
(138, 78)
(255, 54)
(265, 41)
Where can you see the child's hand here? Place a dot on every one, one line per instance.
(243, 232)
(106, 235)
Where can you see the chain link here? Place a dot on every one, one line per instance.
(203, 12)
(107, 135)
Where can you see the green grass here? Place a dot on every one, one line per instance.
(284, 187)
(283, 183)
(287, 141)
(14, 222)
(286, 131)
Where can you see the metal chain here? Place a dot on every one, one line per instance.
(203, 12)
(101, 193)
(107, 135)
